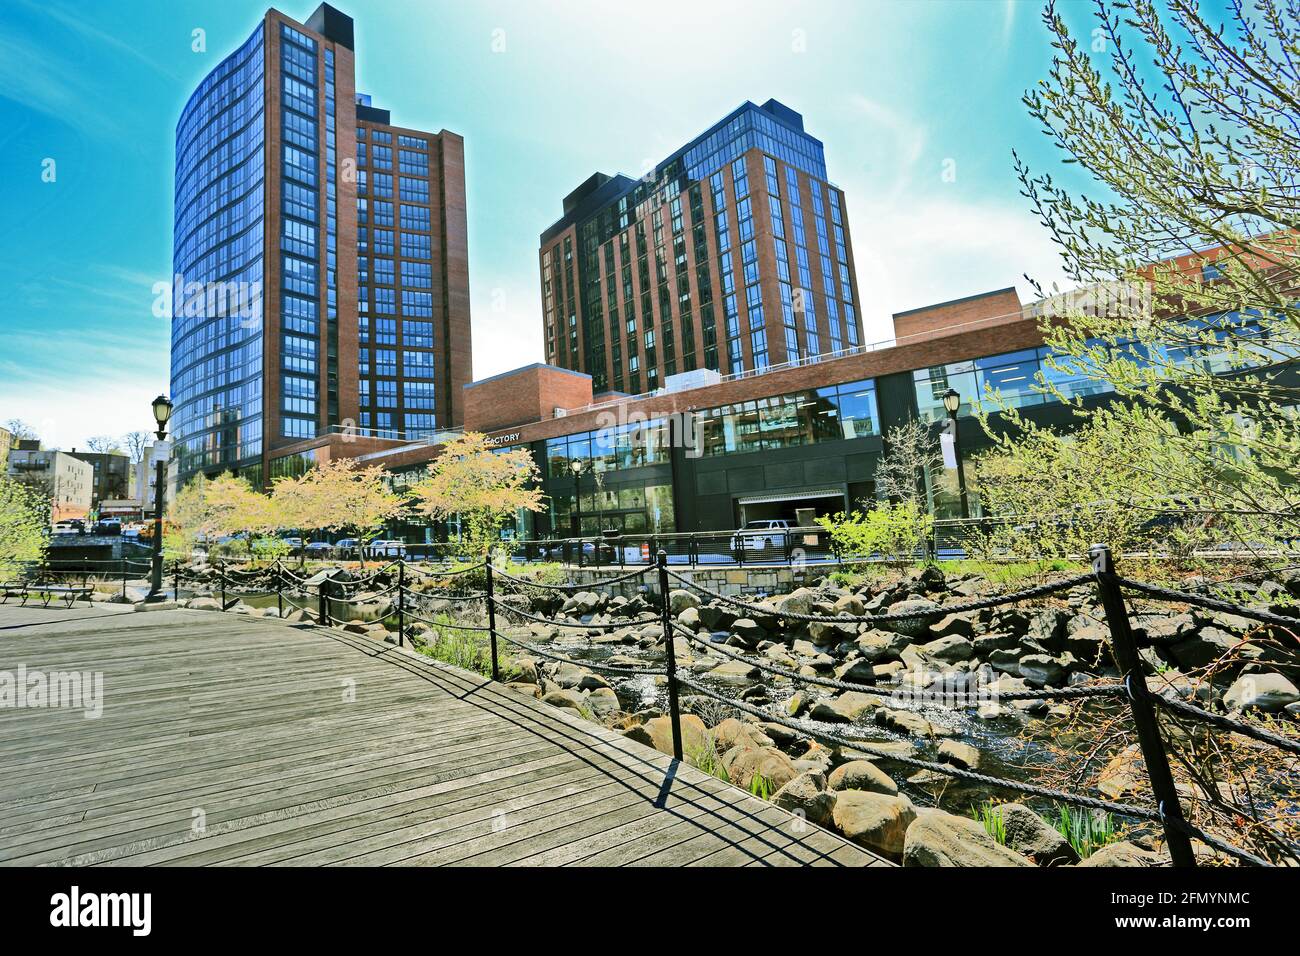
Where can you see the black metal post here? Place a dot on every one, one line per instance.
(492, 616)
(156, 569)
(401, 602)
(124, 577)
(961, 471)
(674, 714)
(221, 579)
(323, 615)
(279, 589)
(1125, 650)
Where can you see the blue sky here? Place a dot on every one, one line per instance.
(545, 94)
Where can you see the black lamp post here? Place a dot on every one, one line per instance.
(162, 412)
(952, 403)
(577, 466)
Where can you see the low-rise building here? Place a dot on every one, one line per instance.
(112, 477)
(66, 482)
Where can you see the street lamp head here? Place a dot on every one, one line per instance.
(162, 413)
(952, 401)
(576, 467)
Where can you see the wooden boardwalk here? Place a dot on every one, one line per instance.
(233, 740)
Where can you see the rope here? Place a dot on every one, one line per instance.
(1222, 846)
(607, 668)
(497, 572)
(1025, 595)
(863, 746)
(1227, 723)
(543, 620)
(1106, 690)
(366, 600)
(1167, 594)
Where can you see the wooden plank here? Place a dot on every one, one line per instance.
(244, 719)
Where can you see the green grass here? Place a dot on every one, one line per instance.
(1085, 830)
(760, 786)
(708, 759)
(468, 650)
(989, 815)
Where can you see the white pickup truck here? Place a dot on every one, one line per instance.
(760, 534)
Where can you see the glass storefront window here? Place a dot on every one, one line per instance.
(1012, 376)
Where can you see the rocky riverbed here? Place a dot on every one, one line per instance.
(909, 671)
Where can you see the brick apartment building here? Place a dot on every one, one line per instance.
(321, 257)
(113, 478)
(733, 254)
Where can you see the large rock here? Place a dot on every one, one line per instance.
(878, 646)
(850, 604)
(743, 764)
(862, 775)
(846, 708)
(1040, 670)
(1030, 834)
(876, 821)
(735, 672)
(824, 633)
(910, 722)
(1124, 854)
(857, 671)
(695, 736)
(1267, 692)
(748, 631)
(807, 796)
(953, 649)
(715, 617)
(1208, 645)
(680, 600)
(798, 601)
(204, 604)
(942, 839)
(958, 754)
(958, 625)
(912, 627)
(736, 733)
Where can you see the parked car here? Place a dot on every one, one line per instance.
(295, 544)
(319, 549)
(70, 526)
(131, 531)
(762, 533)
(380, 548)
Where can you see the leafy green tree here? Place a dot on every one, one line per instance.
(24, 526)
(486, 486)
(1185, 245)
(892, 531)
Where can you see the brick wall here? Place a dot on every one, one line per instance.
(977, 311)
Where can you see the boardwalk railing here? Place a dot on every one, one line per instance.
(328, 592)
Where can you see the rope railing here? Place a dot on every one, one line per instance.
(1210, 604)
(961, 697)
(863, 745)
(942, 610)
(409, 606)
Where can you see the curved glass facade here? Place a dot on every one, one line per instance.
(216, 375)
